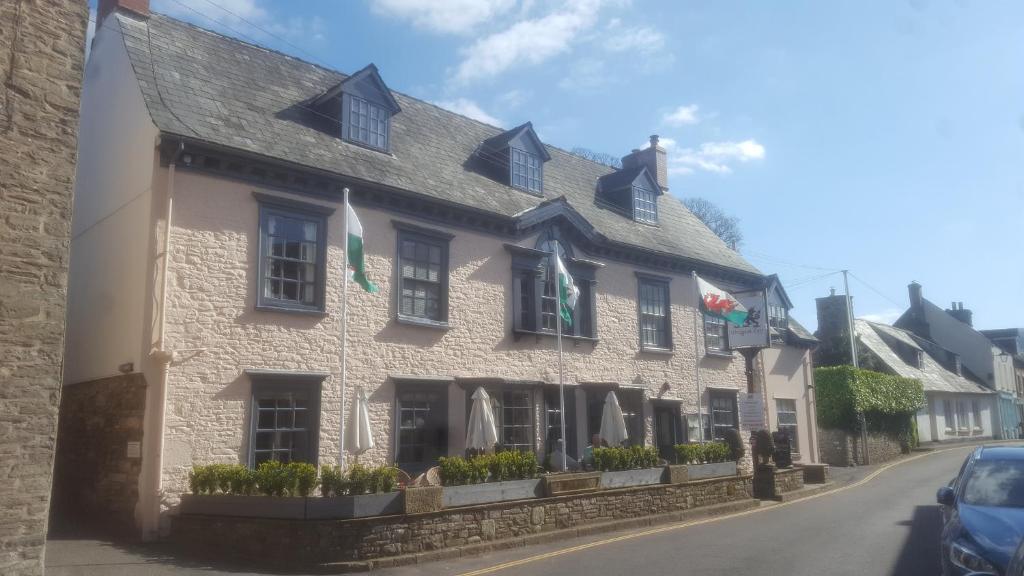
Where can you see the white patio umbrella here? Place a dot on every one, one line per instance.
(613, 425)
(358, 437)
(480, 431)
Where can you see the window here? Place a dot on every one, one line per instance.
(285, 419)
(516, 421)
(630, 402)
(785, 410)
(423, 276)
(654, 314)
(368, 123)
(645, 205)
(723, 413)
(962, 424)
(950, 415)
(552, 408)
(422, 426)
(976, 408)
(535, 291)
(778, 323)
(526, 170)
(291, 268)
(716, 337)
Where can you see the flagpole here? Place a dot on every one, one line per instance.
(561, 381)
(344, 328)
(696, 354)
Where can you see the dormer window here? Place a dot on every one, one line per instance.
(368, 123)
(526, 171)
(645, 205)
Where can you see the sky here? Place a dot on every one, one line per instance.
(882, 137)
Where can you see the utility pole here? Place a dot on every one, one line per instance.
(854, 362)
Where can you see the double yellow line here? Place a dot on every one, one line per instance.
(681, 525)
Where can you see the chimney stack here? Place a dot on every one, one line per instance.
(916, 300)
(960, 313)
(137, 7)
(654, 157)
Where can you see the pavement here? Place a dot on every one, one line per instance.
(879, 520)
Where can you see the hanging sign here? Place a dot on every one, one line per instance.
(754, 331)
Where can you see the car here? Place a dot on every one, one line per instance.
(983, 513)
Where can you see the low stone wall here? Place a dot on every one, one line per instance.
(293, 542)
(842, 448)
(96, 481)
(771, 482)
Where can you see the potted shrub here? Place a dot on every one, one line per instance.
(628, 466)
(270, 491)
(362, 492)
(508, 475)
(702, 461)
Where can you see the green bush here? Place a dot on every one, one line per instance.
(384, 479)
(887, 401)
(241, 480)
(275, 479)
(360, 479)
(706, 453)
(499, 467)
(332, 481)
(625, 458)
(305, 477)
(735, 441)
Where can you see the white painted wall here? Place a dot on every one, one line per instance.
(112, 214)
(788, 375)
(941, 429)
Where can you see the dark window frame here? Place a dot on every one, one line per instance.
(274, 205)
(645, 205)
(722, 335)
(712, 425)
(276, 384)
(441, 432)
(529, 178)
(530, 268)
(631, 401)
(665, 284)
(792, 429)
(497, 393)
(430, 237)
(348, 102)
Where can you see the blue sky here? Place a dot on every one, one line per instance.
(883, 137)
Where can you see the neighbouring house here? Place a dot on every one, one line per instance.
(953, 329)
(789, 376)
(205, 298)
(1011, 341)
(42, 45)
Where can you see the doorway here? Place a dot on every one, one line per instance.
(667, 429)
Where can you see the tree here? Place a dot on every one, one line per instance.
(599, 157)
(724, 226)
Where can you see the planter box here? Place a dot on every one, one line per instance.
(354, 506)
(815, 473)
(486, 492)
(288, 508)
(421, 499)
(679, 473)
(626, 478)
(571, 483)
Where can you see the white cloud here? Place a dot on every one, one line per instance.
(444, 16)
(527, 42)
(887, 316)
(717, 157)
(248, 19)
(682, 116)
(469, 108)
(514, 98)
(585, 74)
(642, 40)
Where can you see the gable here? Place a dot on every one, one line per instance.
(366, 84)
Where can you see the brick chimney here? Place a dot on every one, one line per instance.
(915, 320)
(654, 157)
(960, 313)
(137, 7)
(832, 317)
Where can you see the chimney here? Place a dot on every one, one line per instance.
(916, 301)
(137, 7)
(833, 325)
(960, 313)
(654, 157)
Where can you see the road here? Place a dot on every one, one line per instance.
(885, 526)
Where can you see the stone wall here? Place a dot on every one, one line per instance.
(96, 475)
(311, 542)
(41, 51)
(771, 482)
(842, 448)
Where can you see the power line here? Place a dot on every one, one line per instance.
(875, 290)
(777, 260)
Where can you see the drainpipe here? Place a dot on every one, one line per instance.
(163, 357)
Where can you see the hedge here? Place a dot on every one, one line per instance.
(498, 467)
(886, 400)
(625, 458)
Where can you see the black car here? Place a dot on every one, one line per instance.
(983, 512)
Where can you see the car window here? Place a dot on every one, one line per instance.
(955, 482)
(996, 483)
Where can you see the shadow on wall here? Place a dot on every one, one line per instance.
(920, 553)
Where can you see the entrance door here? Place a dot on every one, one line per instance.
(667, 430)
(422, 428)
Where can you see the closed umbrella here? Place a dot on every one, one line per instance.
(480, 431)
(358, 437)
(613, 425)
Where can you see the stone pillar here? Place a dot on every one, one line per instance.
(42, 44)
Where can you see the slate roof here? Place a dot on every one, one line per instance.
(932, 374)
(797, 331)
(229, 93)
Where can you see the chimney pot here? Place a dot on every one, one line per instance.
(654, 140)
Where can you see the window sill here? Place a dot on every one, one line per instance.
(652, 350)
(518, 333)
(718, 354)
(287, 310)
(423, 322)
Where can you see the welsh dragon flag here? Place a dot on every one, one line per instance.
(356, 265)
(718, 302)
(567, 292)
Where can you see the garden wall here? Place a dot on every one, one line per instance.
(843, 448)
(290, 542)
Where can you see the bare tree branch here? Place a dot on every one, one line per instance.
(724, 226)
(599, 157)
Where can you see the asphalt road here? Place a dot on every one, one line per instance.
(886, 526)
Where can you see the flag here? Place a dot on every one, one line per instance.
(567, 292)
(718, 302)
(356, 265)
